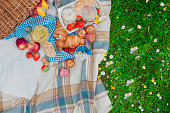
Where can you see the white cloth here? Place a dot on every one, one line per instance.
(18, 75)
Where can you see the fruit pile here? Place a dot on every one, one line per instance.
(38, 9)
(78, 23)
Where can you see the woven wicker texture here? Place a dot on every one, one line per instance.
(13, 13)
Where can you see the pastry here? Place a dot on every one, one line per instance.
(81, 33)
(90, 37)
(90, 29)
(70, 63)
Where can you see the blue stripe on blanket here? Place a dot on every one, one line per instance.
(100, 45)
(15, 110)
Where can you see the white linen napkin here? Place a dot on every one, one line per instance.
(18, 75)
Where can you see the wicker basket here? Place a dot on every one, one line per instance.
(13, 13)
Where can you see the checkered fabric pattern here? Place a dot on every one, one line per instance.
(79, 92)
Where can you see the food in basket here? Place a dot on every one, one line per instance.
(29, 55)
(36, 56)
(68, 14)
(45, 62)
(44, 68)
(73, 41)
(60, 35)
(64, 72)
(49, 49)
(40, 34)
(81, 33)
(70, 63)
(81, 3)
(33, 46)
(90, 29)
(90, 37)
(21, 43)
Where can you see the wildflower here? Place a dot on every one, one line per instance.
(117, 17)
(162, 4)
(131, 52)
(160, 97)
(113, 87)
(125, 97)
(102, 73)
(139, 26)
(155, 40)
(154, 83)
(132, 105)
(163, 61)
(115, 96)
(107, 63)
(150, 93)
(152, 80)
(106, 66)
(132, 49)
(100, 68)
(130, 30)
(107, 76)
(111, 62)
(149, 15)
(165, 19)
(164, 9)
(113, 71)
(135, 48)
(116, 78)
(144, 86)
(105, 54)
(157, 50)
(104, 59)
(137, 57)
(127, 84)
(107, 91)
(143, 67)
(131, 80)
(96, 21)
(147, 1)
(111, 56)
(140, 107)
(123, 27)
(157, 109)
(130, 93)
(106, 85)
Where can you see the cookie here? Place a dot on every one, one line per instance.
(49, 49)
(81, 33)
(70, 63)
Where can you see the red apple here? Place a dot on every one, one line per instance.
(33, 46)
(21, 43)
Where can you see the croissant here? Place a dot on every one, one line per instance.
(73, 41)
(60, 35)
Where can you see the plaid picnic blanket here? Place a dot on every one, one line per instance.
(80, 92)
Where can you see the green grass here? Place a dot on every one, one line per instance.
(132, 13)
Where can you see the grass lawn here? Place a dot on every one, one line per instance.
(136, 67)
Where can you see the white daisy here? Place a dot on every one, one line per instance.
(155, 40)
(111, 62)
(147, 1)
(123, 27)
(154, 83)
(104, 59)
(102, 73)
(164, 9)
(157, 109)
(144, 86)
(150, 93)
(160, 97)
(139, 27)
(140, 107)
(130, 30)
(162, 4)
(157, 50)
(111, 56)
(143, 67)
(132, 105)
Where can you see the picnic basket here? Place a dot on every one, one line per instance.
(13, 13)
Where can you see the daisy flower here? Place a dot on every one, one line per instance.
(106, 85)
(155, 40)
(113, 87)
(131, 52)
(165, 19)
(143, 67)
(107, 91)
(102, 73)
(163, 61)
(111, 62)
(157, 50)
(135, 48)
(117, 17)
(137, 57)
(154, 83)
(105, 54)
(132, 105)
(140, 107)
(115, 96)
(160, 97)
(144, 86)
(139, 26)
(111, 56)
(149, 15)
(106, 66)
(130, 93)
(123, 27)
(150, 93)
(131, 80)
(107, 63)
(130, 30)
(104, 59)
(132, 49)
(164, 9)
(152, 80)
(147, 1)
(113, 71)
(162, 4)
(100, 68)
(127, 84)
(157, 109)
(125, 97)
